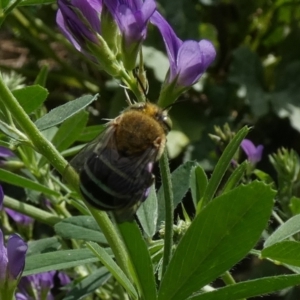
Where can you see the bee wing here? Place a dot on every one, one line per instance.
(99, 142)
(112, 181)
(139, 186)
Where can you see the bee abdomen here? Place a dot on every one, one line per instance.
(110, 188)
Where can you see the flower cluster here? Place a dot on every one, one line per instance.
(41, 284)
(12, 262)
(111, 32)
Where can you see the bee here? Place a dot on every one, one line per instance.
(115, 169)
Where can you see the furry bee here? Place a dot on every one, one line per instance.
(115, 169)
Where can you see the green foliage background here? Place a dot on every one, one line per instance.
(255, 80)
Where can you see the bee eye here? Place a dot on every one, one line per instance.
(168, 122)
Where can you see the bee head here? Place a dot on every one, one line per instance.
(152, 110)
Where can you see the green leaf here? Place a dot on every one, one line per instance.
(59, 114)
(114, 269)
(220, 236)
(295, 205)
(235, 177)
(3, 4)
(58, 260)
(31, 97)
(198, 183)
(222, 166)
(90, 133)
(11, 132)
(287, 252)
(284, 231)
(20, 181)
(43, 246)
(89, 284)
(147, 213)
(250, 288)
(180, 183)
(36, 2)
(140, 258)
(263, 176)
(80, 228)
(42, 76)
(69, 131)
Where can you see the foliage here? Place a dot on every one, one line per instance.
(216, 225)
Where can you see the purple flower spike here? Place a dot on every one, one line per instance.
(41, 283)
(79, 20)
(12, 260)
(16, 250)
(132, 17)
(188, 59)
(19, 218)
(253, 153)
(1, 197)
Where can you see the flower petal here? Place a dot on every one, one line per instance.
(64, 29)
(16, 251)
(189, 63)
(5, 152)
(253, 153)
(132, 18)
(192, 61)
(258, 153)
(248, 147)
(19, 217)
(91, 10)
(3, 257)
(78, 21)
(172, 42)
(64, 278)
(208, 53)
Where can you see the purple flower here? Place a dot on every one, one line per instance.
(42, 283)
(79, 21)
(253, 153)
(5, 152)
(1, 197)
(12, 262)
(132, 17)
(188, 59)
(91, 31)
(19, 218)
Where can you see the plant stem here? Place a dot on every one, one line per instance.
(31, 211)
(169, 209)
(112, 238)
(229, 280)
(42, 145)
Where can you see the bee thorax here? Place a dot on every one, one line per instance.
(136, 132)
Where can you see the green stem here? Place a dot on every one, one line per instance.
(131, 82)
(43, 146)
(169, 209)
(277, 218)
(7, 11)
(112, 238)
(31, 211)
(229, 280)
